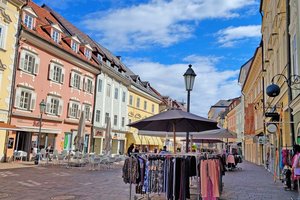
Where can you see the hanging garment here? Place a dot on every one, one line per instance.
(210, 172)
(130, 170)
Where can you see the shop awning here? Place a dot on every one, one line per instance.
(36, 130)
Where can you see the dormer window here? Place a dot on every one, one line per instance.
(74, 46)
(99, 57)
(87, 53)
(108, 63)
(55, 36)
(28, 21)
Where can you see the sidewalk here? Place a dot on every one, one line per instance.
(14, 165)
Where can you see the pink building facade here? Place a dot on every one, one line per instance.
(59, 69)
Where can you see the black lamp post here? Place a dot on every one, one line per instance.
(42, 110)
(273, 90)
(189, 78)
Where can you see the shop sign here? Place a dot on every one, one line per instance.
(10, 143)
(272, 128)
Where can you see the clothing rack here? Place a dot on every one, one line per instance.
(198, 156)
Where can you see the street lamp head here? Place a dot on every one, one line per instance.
(189, 78)
(273, 90)
(42, 106)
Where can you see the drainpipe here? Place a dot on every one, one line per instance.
(289, 70)
(12, 91)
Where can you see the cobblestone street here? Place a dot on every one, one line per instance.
(39, 183)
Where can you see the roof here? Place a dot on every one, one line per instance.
(45, 19)
(244, 71)
(223, 103)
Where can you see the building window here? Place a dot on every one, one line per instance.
(116, 93)
(76, 80)
(108, 90)
(88, 85)
(88, 112)
(74, 110)
(55, 36)
(97, 115)
(28, 21)
(54, 105)
(25, 99)
(145, 105)
(129, 121)
(74, 46)
(123, 121)
(87, 53)
(138, 102)
(152, 108)
(131, 100)
(108, 63)
(106, 117)
(57, 73)
(99, 57)
(29, 62)
(2, 36)
(115, 120)
(99, 85)
(124, 97)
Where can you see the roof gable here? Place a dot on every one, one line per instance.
(30, 11)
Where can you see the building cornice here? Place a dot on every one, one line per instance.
(141, 93)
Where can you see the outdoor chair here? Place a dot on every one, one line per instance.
(20, 155)
(43, 159)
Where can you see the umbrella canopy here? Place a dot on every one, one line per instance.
(79, 139)
(175, 120)
(206, 140)
(107, 145)
(218, 133)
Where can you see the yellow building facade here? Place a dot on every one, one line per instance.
(143, 103)
(9, 25)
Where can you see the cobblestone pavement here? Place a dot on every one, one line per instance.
(59, 183)
(253, 183)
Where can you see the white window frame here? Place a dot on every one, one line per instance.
(56, 73)
(100, 83)
(76, 80)
(99, 57)
(138, 102)
(29, 21)
(74, 110)
(98, 116)
(130, 100)
(55, 35)
(25, 60)
(3, 35)
(88, 111)
(123, 121)
(88, 85)
(145, 105)
(123, 96)
(53, 109)
(115, 120)
(108, 90)
(87, 53)
(152, 108)
(21, 102)
(74, 46)
(116, 96)
(106, 118)
(108, 63)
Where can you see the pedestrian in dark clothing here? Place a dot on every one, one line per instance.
(130, 149)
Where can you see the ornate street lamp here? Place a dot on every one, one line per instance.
(42, 110)
(273, 90)
(189, 78)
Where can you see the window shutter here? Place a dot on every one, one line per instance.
(60, 107)
(22, 60)
(18, 97)
(72, 79)
(36, 65)
(48, 104)
(51, 71)
(69, 110)
(81, 83)
(62, 77)
(78, 112)
(32, 101)
(90, 116)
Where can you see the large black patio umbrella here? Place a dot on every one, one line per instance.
(175, 120)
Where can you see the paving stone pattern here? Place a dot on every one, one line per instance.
(58, 183)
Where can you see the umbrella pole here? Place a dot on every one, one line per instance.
(174, 138)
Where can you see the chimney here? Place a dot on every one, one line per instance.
(119, 57)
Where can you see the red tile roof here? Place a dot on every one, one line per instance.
(45, 19)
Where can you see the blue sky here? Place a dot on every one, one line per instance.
(157, 39)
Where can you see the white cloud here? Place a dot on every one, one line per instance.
(230, 36)
(157, 22)
(211, 85)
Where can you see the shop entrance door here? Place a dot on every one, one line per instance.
(121, 147)
(23, 142)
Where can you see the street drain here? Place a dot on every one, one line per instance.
(3, 195)
(64, 197)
